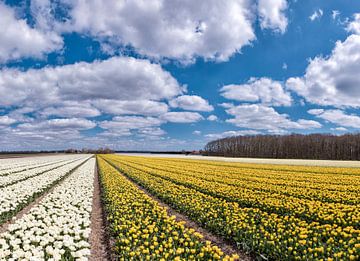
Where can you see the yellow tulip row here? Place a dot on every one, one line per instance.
(143, 230)
(273, 201)
(274, 235)
(308, 189)
(338, 182)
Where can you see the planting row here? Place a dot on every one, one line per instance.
(15, 197)
(14, 165)
(143, 230)
(274, 235)
(58, 228)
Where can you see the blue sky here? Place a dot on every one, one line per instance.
(171, 75)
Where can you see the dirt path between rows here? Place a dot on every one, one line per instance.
(99, 236)
(227, 247)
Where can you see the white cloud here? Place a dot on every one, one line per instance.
(133, 107)
(231, 134)
(130, 122)
(260, 117)
(264, 90)
(175, 29)
(118, 78)
(332, 80)
(338, 117)
(19, 40)
(181, 117)
(191, 103)
(55, 124)
(316, 15)
(197, 132)
(212, 118)
(149, 132)
(6, 120)
(71, 109)
(335, 14)
(272, 14)
(354, 25)
(339, 129)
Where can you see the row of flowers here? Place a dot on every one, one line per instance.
(15, 197)
(324, 187)
(311, 210)
(273, 235)
(143, 230)
(14, 165)
(25, 174)
(58, 228)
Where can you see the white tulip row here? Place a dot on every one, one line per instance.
(22, 175)
(16, 196)
(58, 228)
(22, 164)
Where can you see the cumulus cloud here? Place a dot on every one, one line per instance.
(264, 90)
(120, 78)
(272, 14)
(6, 120)
(337, 117)
(260, 117)
(339, 129)
(212, 117)
(133, 107)
(197, 132)
(130, 122)
(19, 40)
(354, 25)
(71, 109)
(332, 80)
(231, 134)
(58, 124)
(181, 117)
(335, 14)
(316, 15)
(181, 30)
(191, 103)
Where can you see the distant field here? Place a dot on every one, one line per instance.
(296, 162)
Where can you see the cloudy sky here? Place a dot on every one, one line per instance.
(174, 74)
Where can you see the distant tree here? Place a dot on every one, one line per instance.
(293, 146)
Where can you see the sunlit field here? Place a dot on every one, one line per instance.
(275, 211)
(116, 207)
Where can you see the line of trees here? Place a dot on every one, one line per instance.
(91, 151)
(294, 146)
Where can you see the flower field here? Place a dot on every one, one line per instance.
(175, 209)
(58, 227)
(143, 230)
(278, 212)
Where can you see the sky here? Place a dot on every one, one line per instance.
(175, 74)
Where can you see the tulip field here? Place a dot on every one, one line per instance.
(176, 209)
(278, 212)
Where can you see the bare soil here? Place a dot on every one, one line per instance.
(99, 236)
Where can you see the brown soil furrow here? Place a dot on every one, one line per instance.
(99, 236)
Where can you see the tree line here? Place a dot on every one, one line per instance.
(294, 146)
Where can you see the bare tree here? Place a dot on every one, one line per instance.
(294, 146)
